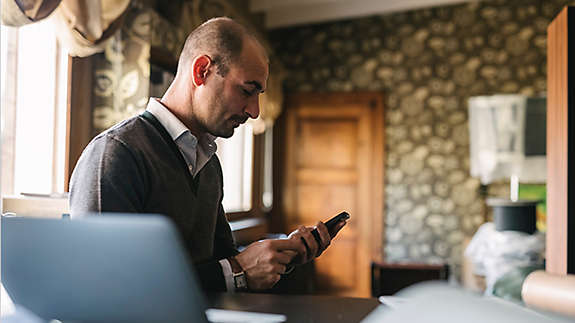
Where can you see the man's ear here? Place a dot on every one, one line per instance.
(200, 69)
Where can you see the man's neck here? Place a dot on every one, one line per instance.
(178, 111)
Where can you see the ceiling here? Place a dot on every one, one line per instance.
(283, 13)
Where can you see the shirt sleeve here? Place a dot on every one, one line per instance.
(228, 275)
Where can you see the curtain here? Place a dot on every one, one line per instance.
(82, 26)
(18, 13)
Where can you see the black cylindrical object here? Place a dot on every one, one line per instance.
(514, 215)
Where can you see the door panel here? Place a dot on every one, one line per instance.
(321, 202)
(340, 279)
(327, 143)
(334, 162)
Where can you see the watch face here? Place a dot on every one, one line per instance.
(240, 281)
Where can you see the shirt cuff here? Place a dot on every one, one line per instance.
(228, 275)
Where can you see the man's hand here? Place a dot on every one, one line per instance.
(311, 246)
(264, 261)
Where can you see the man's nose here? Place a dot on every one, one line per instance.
(253, 107)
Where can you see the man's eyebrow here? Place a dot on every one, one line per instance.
(256, 84)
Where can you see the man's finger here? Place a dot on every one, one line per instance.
(285, 257)
(311, 244)
(287, 244)
(289, 253)
(324, 234)
(308, 250)
(317, 236)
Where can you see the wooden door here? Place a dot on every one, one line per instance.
(334, 162)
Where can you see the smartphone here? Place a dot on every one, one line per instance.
(331, 224)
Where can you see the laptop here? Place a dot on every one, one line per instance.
(100, 268)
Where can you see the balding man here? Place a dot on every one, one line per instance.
(164, 161)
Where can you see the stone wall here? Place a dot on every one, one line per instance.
(427, 63)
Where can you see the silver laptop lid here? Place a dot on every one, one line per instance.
(129, 268)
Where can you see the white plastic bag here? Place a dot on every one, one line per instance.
(494, 253)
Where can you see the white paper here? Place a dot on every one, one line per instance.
(228, 316)
(393, 301)
(6, 306)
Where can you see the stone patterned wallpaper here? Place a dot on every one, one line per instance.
(427, 63)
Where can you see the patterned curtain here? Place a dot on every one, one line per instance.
(82, 26)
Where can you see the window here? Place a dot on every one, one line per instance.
(34, 96)
(247, 166)
(236, 155)
(267, 195)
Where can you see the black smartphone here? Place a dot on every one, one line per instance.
(330, 224)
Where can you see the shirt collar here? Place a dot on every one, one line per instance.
(177, 128)
(169, 121)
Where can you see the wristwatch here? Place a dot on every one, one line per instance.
(240, 280)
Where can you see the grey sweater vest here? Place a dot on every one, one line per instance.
(135, 167)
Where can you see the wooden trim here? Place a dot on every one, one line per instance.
(289, 176)
(571, 142)
(557, 144)
(258, 174)
(277, 219)
(560, 130)
(378, 184)
(79, 119)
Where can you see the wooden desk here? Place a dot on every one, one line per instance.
(298, 308)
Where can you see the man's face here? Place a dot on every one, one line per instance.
(229, 101)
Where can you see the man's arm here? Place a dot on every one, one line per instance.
(265, 261)
(224, 244)
(108, 178)
(214, 276)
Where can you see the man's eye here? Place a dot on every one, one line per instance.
(246, 92)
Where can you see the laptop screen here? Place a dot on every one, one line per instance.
(100, 268)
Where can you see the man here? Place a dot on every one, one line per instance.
(163, 161)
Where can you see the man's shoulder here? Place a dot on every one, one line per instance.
(125, 127)
(134, 131)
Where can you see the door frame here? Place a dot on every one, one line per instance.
(377, 167)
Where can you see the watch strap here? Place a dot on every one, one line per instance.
(239, 276)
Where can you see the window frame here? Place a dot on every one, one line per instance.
(79, 127)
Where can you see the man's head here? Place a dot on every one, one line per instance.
(221, 72)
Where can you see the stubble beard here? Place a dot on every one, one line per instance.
(220, 127)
